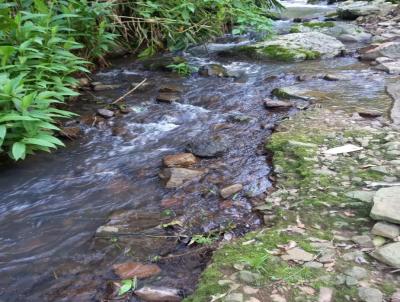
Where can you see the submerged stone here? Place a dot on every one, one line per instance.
(159, 294)
(134, 269)
(176, 177)
(230, 190)
(179, 160)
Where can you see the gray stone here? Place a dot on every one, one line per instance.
(213, 70)
(249, 277)
(390, 67)
(387, 205)
(393, 89)
(176, 177)
(208, 147)
(350, 10)
(387, 230)
(270, 104)
(356, 272)
(158, 294)
(388, 254)
(368, 294)
(297, 254)
(234, 297)
(313, 264)
(325, 294)
(351, 281)
(105, 113)
(351, 256)
(363, 241)
(378, 241)
(229, 191)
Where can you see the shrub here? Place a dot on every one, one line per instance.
(40, 44)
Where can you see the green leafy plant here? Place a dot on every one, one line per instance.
(41, 44)
(127, 286)
(202, 239)
(183, 69)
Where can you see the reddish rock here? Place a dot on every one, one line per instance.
(171, 202)
(134, 269)
(70, 132)
(179, 160)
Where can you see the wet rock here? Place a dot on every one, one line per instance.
(171, 88)
(179, 160)
(231, 190)
(134, 269)
(387, 205)
(239, 118)
(171, 202)
(168, 97)
(159, 294)
(363, 241)
(369, 113)
(249, 277)
(365, 196)
(389, 50)
(70, 132)
(105, 113)
(295, 47)
(119, 131)
(299, 92)
(234, 297)
(325, 294)
(176, 177)
(388, 254)
(386, 230)
(97, 86)
(213, 70)
(297, 254)
(368, 294)
(272, 104)
(209, 147)
(357, 273)
(334, 77)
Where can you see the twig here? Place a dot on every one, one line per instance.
(129, 92)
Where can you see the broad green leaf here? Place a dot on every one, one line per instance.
(15, 117)
(50, 139)
(126, 286)
(3, 131)
(39, 142)
(18, 150)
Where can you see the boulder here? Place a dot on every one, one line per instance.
(368, 294)
(388, 254)
(129, 270)
(213, 70)
(272, 104)
(387, 205)
(168, 97)
(230, 190)
(351, 10)
(179, 160)
(392, 67)
(345, 32)
(159, 294)
(386, 230)
(393, 89)
(389, 50)
(208, 147)
(295, 47)
(176, 177)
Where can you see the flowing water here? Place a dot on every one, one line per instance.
(52, 204)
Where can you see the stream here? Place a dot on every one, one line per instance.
(52, 204)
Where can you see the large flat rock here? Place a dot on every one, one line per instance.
(393, 89)
(295, 47)
(388, 254)
(387, 205)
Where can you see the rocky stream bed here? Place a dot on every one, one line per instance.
(271, 175)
